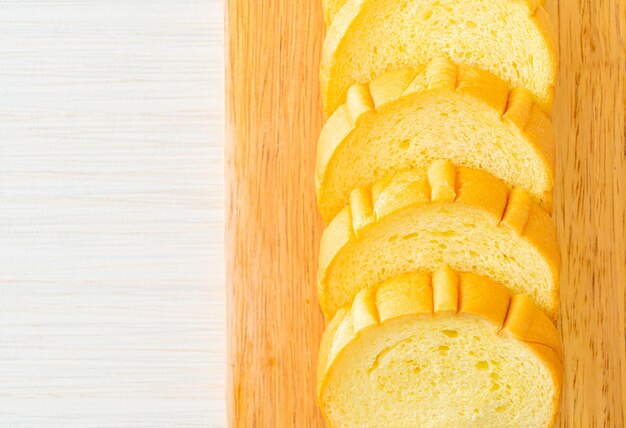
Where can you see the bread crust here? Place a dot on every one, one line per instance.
(366, 100)
(351, 9)
(444, 292)
(442, 183)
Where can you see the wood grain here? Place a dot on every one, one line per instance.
(273, 119)
(590, 200)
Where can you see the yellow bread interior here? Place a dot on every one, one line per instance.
(441, 350)
(510, 38)
(443, 215)
(407, 118)
(331, 7)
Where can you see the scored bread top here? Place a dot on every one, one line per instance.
(512, 39)
(445, 292)
(525, 144)
(442, 184)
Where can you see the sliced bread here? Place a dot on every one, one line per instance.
(407, 118)
(423, 219)
(447, 350)
(510, 38)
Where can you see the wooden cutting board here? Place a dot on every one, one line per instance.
(273, 228)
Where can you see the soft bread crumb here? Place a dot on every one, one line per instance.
(393, 359)
(479, 123)
(407, 232)
(368, 37)
(448, 371)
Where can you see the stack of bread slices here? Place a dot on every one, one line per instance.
(439, 265)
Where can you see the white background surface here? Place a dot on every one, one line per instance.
(111, 214)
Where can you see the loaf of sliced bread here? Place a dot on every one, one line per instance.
(447, 350)
(407, 118)
(510, 38)
(444, 215)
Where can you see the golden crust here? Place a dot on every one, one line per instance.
(366, 100)
(543, 22)
(418, 294)
(351, 9)
(554, 363)
(472, 188)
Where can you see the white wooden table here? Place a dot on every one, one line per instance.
(111, 214)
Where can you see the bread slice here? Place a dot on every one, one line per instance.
(447, 350)
(407, 118)
(423, 219)
(510, 38)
